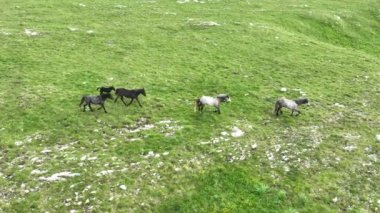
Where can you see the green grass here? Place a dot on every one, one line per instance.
(325, 160)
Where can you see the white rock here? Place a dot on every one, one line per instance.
(73, 29)
(350, 148)
(224, 133)
(283, 89)
(46, 151)
(339, 105)
(236, 132)
(19, 143)
(38, 172)
(378, 137)
(277, 147)
(30, 32)
(254, 146)
(123, 187)
(105, 172)
(335, 199)
(59, 176)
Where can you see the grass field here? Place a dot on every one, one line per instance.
(164, 157)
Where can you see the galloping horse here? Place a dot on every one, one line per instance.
(95, 99)
(105, 89)
(290, 104)
(207, 100)
(132, 94)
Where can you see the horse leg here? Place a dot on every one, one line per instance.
(122, 99)
(298, 112)
(292, 112)
(84, 107)
(130, 102)
(278, 110)
(218, 109)
(137, 99)
(117, 96)
(104, 108)
(89, 105)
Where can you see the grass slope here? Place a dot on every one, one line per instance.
(164, 157)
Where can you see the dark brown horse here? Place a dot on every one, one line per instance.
(132, 94)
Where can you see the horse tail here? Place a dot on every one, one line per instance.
(81, 101)
(98, 88)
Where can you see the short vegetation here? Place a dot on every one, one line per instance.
(163, 156)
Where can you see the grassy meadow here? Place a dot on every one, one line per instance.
(164, 157)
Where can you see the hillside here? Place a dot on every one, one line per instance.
(164, 157)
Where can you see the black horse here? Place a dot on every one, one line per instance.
(132, 94)
(95, 99)
(105, 89)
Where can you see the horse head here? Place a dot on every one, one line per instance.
(301, 101)
(143, 92)
(224, 98)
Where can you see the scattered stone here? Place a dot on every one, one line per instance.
(30, 32)
(123, 187)
(254, 146)
(277, 147)
(349, 148)
(120, 6)
(38, 172)
(150, 154)
(335, 199)
(378, 137)
(19, 143)
(351, 137)
(339, 105)
(59, 176)
(46, 151)
(224, 133)
(72, 29)
(236, 132)
(283, 89)
(105, 172)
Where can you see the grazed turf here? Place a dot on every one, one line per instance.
(163, 156)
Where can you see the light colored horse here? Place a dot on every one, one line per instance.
(290, 104)
(207, 100)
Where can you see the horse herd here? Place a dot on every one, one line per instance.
(105, 93)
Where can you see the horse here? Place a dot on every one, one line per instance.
(290, 104)
(132, 94)
(207, 100)
(95, 99)
(105, 89)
